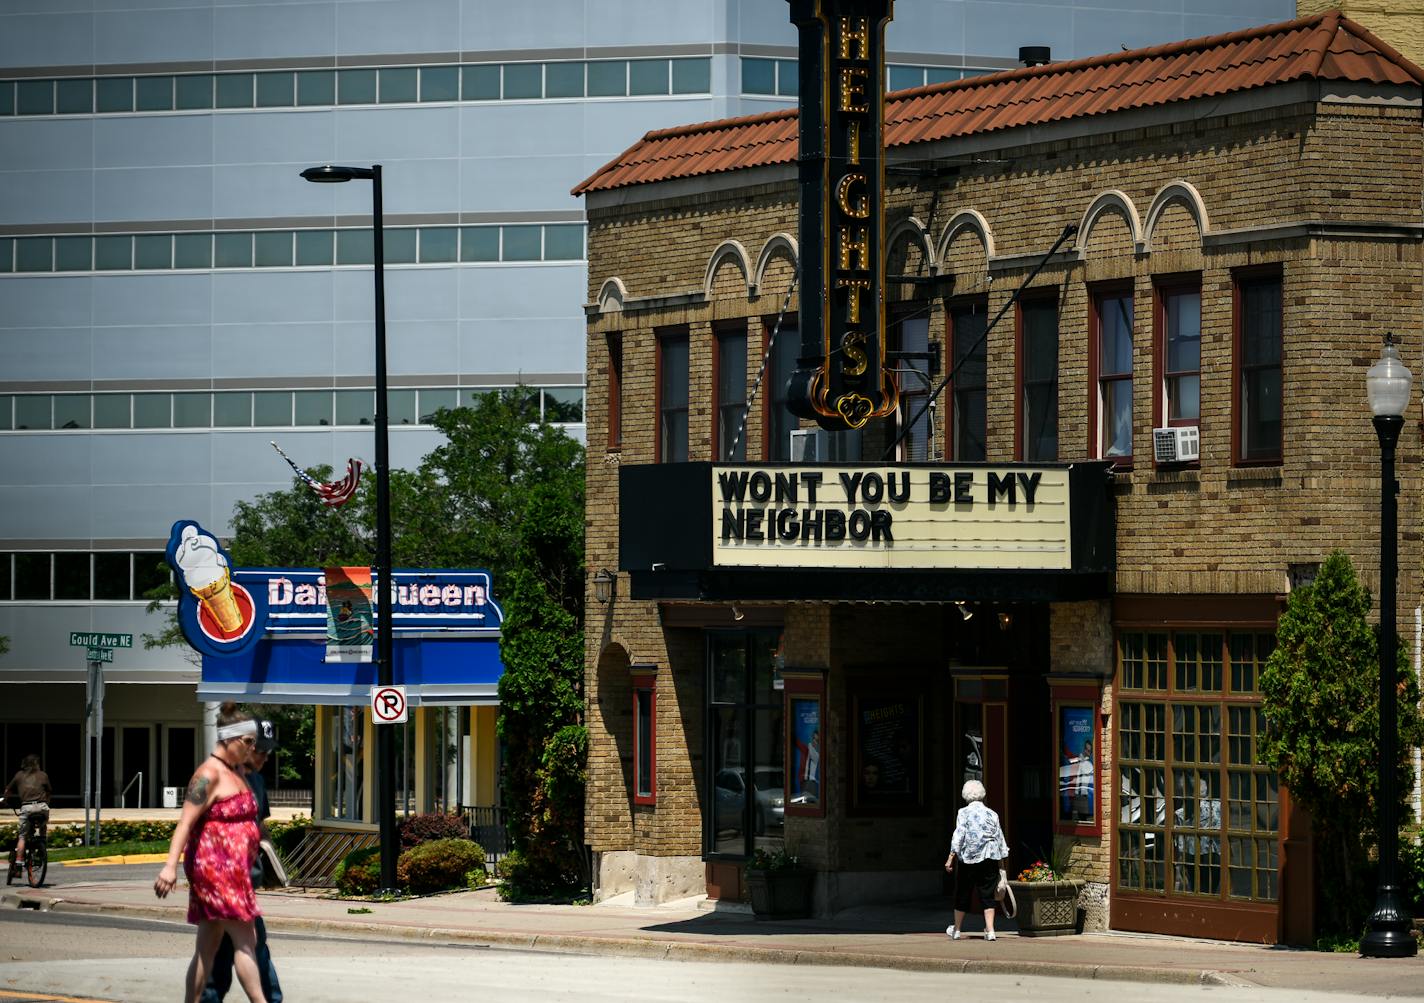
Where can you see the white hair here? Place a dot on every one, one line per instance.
(973, 791)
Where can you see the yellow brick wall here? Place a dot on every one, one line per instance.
(1215, 530)
(1398, 22)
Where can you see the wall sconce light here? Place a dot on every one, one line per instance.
(604, 583)
(964, 611)
(1006, 620)
(737, 613)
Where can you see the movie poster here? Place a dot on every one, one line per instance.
(350, 631)
(805, 786)
(1077, 765)
(887, 750)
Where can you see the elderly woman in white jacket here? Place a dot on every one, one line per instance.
(978, 857)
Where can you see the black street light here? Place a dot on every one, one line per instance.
(1388, 931)
(385, 676)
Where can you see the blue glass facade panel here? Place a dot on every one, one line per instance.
(266, 31)
(55, 196)
(153, 193)
(148, 351)
(396, 26)
(149, 36)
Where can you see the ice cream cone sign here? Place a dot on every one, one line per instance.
(217, 615)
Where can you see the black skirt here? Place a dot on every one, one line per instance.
(983, 876)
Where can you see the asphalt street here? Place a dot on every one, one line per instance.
(102, 958)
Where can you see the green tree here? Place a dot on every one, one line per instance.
(1321, 703)
(502, 491)
(4, 644)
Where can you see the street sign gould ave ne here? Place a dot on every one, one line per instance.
(78, 639)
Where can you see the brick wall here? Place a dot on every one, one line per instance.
(1216, 529)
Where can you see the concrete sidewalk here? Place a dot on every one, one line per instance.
(904, 936)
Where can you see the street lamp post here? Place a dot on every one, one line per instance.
(1388, 934)
(385, 676)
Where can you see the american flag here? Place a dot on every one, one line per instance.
(336, 493)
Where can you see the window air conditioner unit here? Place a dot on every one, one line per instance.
(1176, 445)
(809, 445)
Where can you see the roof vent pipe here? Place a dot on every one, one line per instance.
(1035, 55)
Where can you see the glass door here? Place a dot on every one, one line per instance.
(745, 795)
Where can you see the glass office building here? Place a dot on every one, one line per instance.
(172, 296)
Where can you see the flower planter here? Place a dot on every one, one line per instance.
(1047, 908)
(780, 894)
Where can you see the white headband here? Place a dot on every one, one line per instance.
(231, 731)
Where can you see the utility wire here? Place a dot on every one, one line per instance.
(1068, 231)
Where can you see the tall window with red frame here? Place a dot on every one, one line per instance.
(1112, 350)
(969, 388)
(779, 419)
(672, 397)
(645, 736)
(1258, 369)
(1179, 348)
(1038, 393)
(615, 391)
(731, 390)
(910, 333)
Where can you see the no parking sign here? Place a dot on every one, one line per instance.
(388, 705)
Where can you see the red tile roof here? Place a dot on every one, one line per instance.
(1325, 46)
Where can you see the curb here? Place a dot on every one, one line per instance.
(642, 947)
(131, 858)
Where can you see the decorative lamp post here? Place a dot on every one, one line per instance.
(1388, 934)
(385, 676)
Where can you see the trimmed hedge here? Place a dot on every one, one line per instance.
(417, 829)
(359, 872)
(115, 831)
(439, 864)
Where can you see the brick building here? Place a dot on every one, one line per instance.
(1248, 228)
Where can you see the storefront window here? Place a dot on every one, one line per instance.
(744, 806)
(1179, 750)
(345, 763)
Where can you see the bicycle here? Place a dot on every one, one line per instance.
(36, 863)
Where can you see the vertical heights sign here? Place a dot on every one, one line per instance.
(841, 379)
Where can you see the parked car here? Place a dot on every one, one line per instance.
(769, 788)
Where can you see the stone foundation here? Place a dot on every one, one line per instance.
(652, 880)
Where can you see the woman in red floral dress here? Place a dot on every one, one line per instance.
(218, 836)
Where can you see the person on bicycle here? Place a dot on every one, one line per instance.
(31, 788)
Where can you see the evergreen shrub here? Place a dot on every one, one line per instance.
(439, 864)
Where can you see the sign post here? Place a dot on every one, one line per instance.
(93, 747)
(99, 649)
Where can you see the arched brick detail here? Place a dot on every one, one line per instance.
(966, 219)
(612, 295)
(777, 245)
(728, 250)
(1111, 202)
(1181, 193)
(913, 230)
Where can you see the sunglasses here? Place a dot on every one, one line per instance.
(249, 741)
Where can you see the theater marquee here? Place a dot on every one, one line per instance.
(866, 531)
(892, 517)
